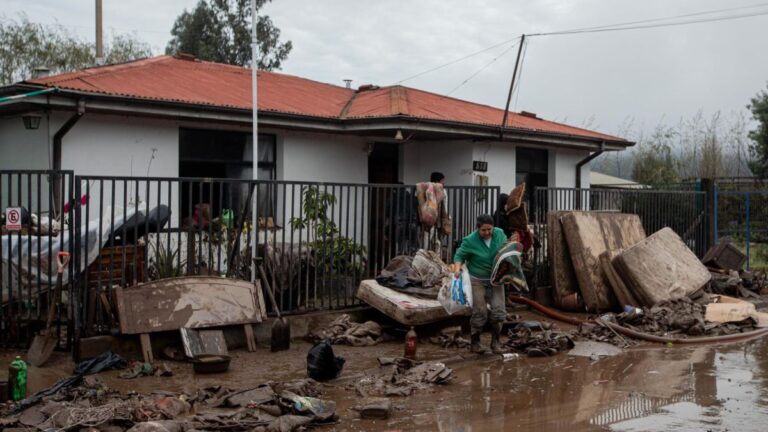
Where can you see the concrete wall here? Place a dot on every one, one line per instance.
(501, 163)
(321, 157)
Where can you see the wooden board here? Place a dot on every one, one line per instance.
(661, 267)
(589, 234)
(404, 308)
(192, 302)
(620, 290)
(562, 277)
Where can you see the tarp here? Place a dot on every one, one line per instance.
(42, 265)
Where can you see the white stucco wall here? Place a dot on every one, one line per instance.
(321, 157)
(501, 163)
(562, 168)
(453, 158)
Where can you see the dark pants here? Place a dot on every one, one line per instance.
(483, 294)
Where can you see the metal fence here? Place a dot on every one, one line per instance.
(316, 241)
(28, 268)
(742, 217)
(683, 211)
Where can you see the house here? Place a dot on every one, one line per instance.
(177, 116)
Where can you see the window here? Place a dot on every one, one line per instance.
(212, 153)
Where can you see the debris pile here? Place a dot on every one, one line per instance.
(271, 406)
(681, 317)
(450, 337)
(398, 376)
(538, 340)
(745, 284)
(342, 331)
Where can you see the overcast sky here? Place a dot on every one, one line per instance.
(646, 75)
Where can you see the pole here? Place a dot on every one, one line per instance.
(254, 138)
(99, 34)
(511, 88)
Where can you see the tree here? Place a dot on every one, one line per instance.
(220, 31)
(25, 45)
(654, 164)
(759, 136)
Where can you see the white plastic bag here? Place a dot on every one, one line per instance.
(457, 294)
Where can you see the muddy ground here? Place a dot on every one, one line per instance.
(649, 387)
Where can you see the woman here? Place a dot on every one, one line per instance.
(478, 251)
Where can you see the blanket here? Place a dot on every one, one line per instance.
(508, 268)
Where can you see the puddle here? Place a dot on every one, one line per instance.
(715, 388)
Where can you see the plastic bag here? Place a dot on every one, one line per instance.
(457, 294)
(322, 364)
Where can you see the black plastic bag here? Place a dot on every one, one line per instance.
(322, 364)
(104, 361)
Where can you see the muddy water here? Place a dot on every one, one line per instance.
(659, 389)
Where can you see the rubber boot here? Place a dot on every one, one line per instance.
(476, 347)
(496, 338)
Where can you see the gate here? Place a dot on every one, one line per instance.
(28, 255)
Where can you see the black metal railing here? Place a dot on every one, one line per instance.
(28, 249)
(683, 211)
(316, 241)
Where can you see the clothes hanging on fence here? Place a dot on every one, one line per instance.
(430, 196)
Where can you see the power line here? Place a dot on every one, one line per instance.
(503, 53)
(457, 60)
(650, 20)
(629, 25)
(672, 24)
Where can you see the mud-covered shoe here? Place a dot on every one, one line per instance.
(475, 347)
(496, 347)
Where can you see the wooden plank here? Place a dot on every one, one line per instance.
(562, 276)
(620, 290)
(250, 339)
(590, 234)
(661, 267)
(192, 302)
(146, 348)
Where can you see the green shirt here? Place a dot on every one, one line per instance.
(477, 256)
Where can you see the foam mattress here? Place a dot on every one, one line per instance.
(403, 308)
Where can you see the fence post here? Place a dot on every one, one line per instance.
(710, 188)
(75, 287)
(749, 231)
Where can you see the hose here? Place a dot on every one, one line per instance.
(634, 333)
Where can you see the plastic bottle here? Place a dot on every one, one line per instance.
(410, 344)
(17, 379)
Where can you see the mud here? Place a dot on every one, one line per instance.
(649, 387)
(715, 388)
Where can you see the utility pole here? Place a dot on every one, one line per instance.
(511, 88)
(255, 140)
(99, 38)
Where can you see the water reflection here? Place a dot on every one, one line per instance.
(679, 388)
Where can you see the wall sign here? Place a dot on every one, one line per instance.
(13, 218)
(481, 166)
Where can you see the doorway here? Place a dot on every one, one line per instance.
(384, 164)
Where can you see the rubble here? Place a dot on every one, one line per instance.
(343, 331)
(271, 406)
(401, 377)
(374, 408)
(538, 341)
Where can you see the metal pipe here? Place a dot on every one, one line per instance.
(585, 161)
(8, 99)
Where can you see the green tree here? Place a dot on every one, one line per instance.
(654, 164)
(220, 31)
(759, 136)
(25, 45)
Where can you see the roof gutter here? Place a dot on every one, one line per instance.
(585, 161)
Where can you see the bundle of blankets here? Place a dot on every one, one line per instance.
(421, 275)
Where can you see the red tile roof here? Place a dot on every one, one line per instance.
(172, 79)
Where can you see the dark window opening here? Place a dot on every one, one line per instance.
(223, 154)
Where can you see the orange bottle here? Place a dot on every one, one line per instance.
(410, 344)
